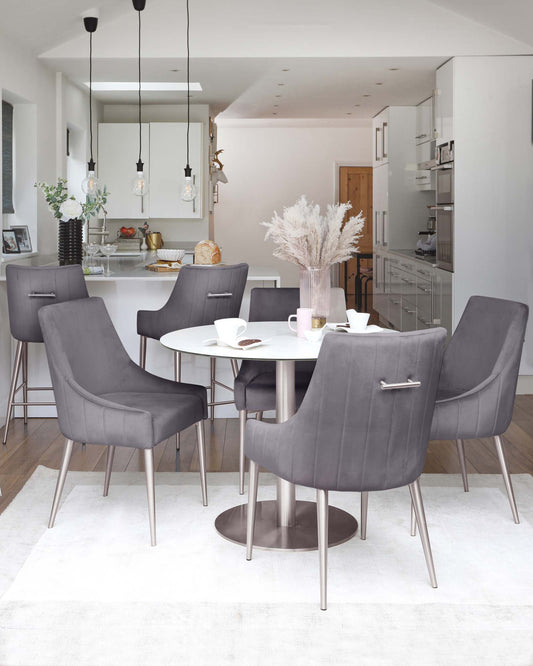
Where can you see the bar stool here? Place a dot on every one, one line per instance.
(201, 295)
(28, 289)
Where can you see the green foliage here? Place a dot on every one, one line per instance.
(55, 195)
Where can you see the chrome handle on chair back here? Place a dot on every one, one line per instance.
(225, 294)
(36, 294)
(400, 385)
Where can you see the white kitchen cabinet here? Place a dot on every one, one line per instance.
(425, 178)
(399, 207)
(444, 103)
(118, 152)
(424, 121)
(168, 156)
(380, 128)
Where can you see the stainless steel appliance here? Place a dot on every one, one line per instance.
(444, 207)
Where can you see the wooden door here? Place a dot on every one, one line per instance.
(355, 186)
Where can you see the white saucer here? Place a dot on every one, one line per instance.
(221, 343)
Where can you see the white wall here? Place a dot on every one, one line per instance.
(494, 183)
(172, 230)
(271, 166)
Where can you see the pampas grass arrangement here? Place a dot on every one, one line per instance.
(310, 240)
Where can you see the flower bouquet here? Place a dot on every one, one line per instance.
(315, 242)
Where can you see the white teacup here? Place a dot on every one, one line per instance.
(357, 320)
(228, 330)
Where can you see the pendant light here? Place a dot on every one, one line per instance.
(139, 185)
(90, 185)
(188, 191)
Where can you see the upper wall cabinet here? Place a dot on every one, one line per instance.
(444, 104)
(164, 153)
(168, 156)
(380, 127)
(424, 121)
(118, 152)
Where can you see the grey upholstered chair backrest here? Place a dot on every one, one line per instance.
(349, 434)
(273, 304)
(486, 345)
(201, 295)
(29, 288)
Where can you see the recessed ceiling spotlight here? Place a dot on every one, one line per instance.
(393, 69)
(349, 113)
(274, 113)
(357, 105)
(286, 70)
(278, 95)
(366, 95)
(276, 106)
(281, 84)
(379, 84)
(174, 70)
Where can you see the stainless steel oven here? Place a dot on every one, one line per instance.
(444, 215)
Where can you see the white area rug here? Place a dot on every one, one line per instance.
(92, 591)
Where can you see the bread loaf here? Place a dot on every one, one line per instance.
(207, 252)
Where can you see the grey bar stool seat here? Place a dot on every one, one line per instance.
(363, 426)
(477, 386)
(103, 397)
(201, 295)
(28, 289)
(255, 385)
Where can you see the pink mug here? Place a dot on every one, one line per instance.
(303, 321)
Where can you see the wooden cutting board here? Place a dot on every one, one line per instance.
(162, 268)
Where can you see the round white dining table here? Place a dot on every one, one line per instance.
(284, 523)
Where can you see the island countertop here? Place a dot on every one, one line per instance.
(134, 268)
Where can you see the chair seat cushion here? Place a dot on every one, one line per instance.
(170, 412)
(260, 393)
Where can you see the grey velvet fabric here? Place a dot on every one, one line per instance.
(476, 392)
(255, 385)
(189, 303)
(66, 282)
(102, 396)
(349, 434)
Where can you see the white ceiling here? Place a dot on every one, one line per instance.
(336, 51)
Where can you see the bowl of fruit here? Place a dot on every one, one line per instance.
(127, 232)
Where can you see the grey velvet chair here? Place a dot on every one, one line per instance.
(363, 426)
(201, 294)
(28, 289)
(255, 385)
(103, 397)
(477, 387)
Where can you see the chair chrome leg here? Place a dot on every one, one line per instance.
(108, 468)
(416, 499)
(259, 416)
(12, 388)
(177, 378)
(234, 368)
(242, 430)
(252, 502)
(25, 380)
(142, 351)
(61, 480)
(322, 524)
(364, 513)
(201, 457)
(462, 461)
(506, 478)
(413, 520)
(213, 364)
(150, 490)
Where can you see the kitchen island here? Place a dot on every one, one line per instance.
(128, 289)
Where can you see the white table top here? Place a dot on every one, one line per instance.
(280, 343)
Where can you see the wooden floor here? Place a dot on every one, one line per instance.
(40, 443)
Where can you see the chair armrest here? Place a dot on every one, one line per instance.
(480, 387)
(98, 401)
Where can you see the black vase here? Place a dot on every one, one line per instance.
(69, 247)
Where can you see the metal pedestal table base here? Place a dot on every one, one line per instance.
(231, 524)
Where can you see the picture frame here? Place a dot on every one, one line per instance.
(10, 244)
(23, 237)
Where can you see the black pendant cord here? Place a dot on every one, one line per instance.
(91, 96)
(140, 112)
(188, 85)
